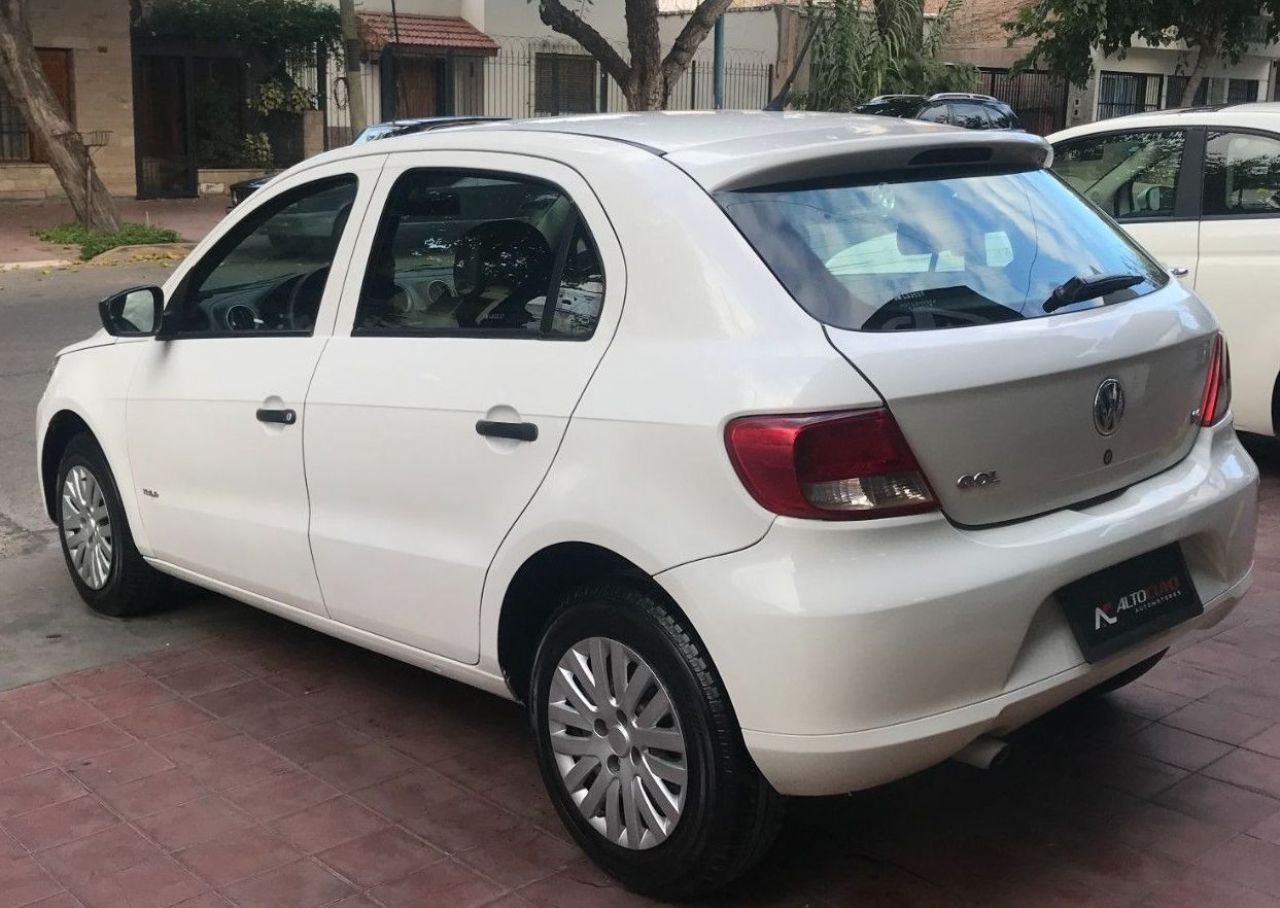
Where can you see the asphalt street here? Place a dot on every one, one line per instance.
(44, 627)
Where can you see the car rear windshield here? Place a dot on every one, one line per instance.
(917, 254)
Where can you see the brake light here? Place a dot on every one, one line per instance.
(829, 466)
(1217, 384)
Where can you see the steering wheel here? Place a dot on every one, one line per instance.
(312, 281)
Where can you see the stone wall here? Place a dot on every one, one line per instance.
(97, 34)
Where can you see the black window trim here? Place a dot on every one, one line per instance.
(233, 237)
(571, 222)
(1186, 203)
(1204, 151)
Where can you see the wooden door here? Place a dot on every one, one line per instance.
(57, 70)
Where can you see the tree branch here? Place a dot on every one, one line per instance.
(691, 36)
(567, 22)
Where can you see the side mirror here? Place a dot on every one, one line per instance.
(135, 312)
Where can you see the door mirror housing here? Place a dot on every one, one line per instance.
(135, 312)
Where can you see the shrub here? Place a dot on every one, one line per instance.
(93, 242)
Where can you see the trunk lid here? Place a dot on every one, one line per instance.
(1019, 400)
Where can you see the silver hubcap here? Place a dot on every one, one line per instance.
(617, 742)
(86, 524)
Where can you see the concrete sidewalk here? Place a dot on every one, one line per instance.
(192, 218)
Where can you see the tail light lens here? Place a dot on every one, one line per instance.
(830, 466)
(1217, 384)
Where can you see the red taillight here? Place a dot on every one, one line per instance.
(1217, 384)
(829, 466)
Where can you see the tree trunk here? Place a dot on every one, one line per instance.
(23, 76)
(647, 79)
(1204, 53)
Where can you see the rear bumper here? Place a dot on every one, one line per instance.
(858, 653)
(830, 764)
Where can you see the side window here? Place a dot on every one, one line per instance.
(934, 113)
(268, 274)
(1001, 118)
(480, 253)
(1242, 174)
(970, 116)
(1128, 175)
(581, 291)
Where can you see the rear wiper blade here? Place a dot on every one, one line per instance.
(1079, 289)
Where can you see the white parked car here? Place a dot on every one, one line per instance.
(758, 454)
(1200, 190)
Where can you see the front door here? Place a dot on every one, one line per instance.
(215, 412)
(492, 287)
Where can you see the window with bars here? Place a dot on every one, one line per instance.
(1128, 93)
(566, 83)
(17, 144)
(1213, 91)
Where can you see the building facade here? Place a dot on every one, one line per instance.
(1145, 78)
(84, 47)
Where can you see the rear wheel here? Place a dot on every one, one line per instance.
(105, 566)
(1129, 675)
(639, 747)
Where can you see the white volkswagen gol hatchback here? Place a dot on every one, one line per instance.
(757, 454)
(1200, 189)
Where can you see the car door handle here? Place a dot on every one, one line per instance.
(1180, 270)
(283, 417)
(520, 431)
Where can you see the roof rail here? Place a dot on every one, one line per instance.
(961, 95)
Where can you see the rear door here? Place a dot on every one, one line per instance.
(1146, 180)
(439, 405)
(944, 292)
(1240, 263)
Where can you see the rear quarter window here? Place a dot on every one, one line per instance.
(914, 254)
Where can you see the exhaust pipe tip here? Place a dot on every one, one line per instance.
(983, 752)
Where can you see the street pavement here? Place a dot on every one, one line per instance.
(44, 629)
(214, 755)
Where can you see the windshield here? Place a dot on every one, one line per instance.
(935, 253)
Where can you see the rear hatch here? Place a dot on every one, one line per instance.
(1019, 391)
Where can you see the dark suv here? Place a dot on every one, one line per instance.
(956, 108)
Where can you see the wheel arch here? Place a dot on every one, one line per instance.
(1275, 406)
(65, 425)
(537, 589)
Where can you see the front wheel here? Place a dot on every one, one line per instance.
(109, 573)
(639, 747)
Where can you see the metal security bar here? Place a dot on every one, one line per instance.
(1039, 98)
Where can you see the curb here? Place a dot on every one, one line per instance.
(34, 266)
(146, 252)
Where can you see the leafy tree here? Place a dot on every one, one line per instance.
(860, 53)
(22, 75)
(1065, 32)
(647, 78)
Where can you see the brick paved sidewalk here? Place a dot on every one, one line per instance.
(271, 766)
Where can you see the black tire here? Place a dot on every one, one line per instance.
(132, 586)
(730, 815)
(1129, 675)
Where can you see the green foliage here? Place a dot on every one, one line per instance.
(1064, 32)
(273, 31)
(860, 52)
(281, 95)
(255, 150)
(94, 242)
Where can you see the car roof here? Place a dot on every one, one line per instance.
(1253, 113)
(729, 149)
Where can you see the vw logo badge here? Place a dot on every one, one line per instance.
(1108, 407)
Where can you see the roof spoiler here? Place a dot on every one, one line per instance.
(717, 168)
